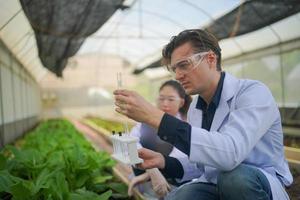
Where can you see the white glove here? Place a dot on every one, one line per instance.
(158, 181)
(137, 180)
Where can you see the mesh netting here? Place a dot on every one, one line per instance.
(252, 15)
(61, 26)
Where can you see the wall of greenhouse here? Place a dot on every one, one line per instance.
(279, 68)
(19, 98)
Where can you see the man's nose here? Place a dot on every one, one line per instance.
(178, 76)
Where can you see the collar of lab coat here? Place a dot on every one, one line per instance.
(230, 86)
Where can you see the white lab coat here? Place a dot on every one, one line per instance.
(246, 129)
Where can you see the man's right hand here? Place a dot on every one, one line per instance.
(151, 159)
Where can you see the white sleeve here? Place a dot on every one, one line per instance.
(191, 170)
(176, 153)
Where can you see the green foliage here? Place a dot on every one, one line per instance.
(56, 162)
(109, 124)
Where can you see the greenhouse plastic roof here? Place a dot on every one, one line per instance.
(138, 33)
(250, 16)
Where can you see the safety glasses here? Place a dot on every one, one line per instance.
(186, 65)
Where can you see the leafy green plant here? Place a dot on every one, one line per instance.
(55, 161)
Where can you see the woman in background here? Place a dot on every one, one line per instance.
(172, 100)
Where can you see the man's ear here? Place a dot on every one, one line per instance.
(212, 59)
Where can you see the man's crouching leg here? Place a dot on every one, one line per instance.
(243, 182)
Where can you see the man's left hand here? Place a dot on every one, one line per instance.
(151, 159)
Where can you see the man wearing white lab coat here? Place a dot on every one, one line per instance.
(233, 133)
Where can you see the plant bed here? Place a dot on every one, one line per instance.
(109, 125)
(54, 161)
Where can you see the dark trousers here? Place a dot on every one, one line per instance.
(242, 183)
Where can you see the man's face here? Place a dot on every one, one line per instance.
(197, 80)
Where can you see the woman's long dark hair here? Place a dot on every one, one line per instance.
(187, 98)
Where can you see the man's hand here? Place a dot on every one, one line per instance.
(134, 106)
(151, 159)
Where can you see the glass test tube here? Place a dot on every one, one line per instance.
(120, 85)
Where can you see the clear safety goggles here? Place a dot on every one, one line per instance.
(186, 65)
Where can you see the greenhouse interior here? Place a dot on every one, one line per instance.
(62, 60)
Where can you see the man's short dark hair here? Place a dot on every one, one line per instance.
(200, 40)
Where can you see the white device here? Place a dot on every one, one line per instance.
(125, 145)
(125, 148)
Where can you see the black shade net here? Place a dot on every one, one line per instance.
(252, 15)
(61, 26)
